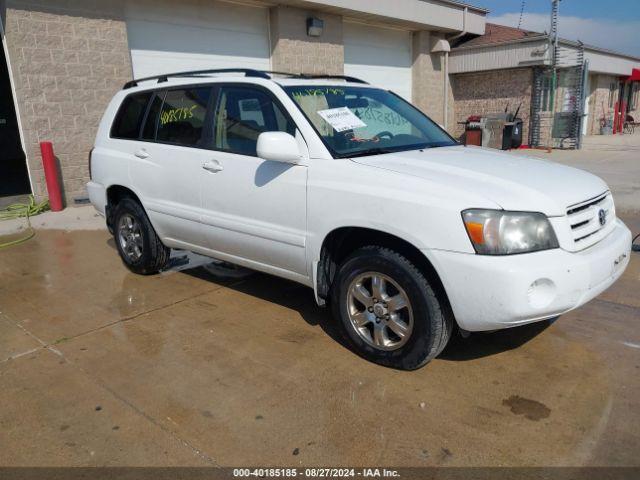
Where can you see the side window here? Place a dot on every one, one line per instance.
(151, 122)
(242, 115)
(183, 115)
(129, 117)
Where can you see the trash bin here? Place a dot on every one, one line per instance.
(516, 133)
(512, 134)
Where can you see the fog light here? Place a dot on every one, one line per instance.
(541, 293)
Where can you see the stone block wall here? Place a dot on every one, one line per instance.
(68, 58)
(292, 50)
(490, 92)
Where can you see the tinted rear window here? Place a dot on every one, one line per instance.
(129, 117)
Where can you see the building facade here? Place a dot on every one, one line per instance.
(66, 58)
(508, 68)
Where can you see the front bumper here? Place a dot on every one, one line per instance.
(494, 292)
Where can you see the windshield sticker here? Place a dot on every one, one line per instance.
(341, 119)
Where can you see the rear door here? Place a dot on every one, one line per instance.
(167, 162)
(254, 209)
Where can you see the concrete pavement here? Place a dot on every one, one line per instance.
(102, 367)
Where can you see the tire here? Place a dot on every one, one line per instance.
(426, 321)
(137, 242)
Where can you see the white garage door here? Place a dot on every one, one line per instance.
(167, 36)
(380, 56)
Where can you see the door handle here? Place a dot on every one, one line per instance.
(212, 166)
(142, 153)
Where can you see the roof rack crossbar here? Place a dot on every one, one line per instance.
(165, 76)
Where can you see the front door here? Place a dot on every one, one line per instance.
(253, 209)
(14, 177)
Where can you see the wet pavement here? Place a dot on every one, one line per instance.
(102, 367)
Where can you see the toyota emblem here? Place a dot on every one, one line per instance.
(602, 216)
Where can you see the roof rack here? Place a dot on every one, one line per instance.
(346, 78)
(248, 72)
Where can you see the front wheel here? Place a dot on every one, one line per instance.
(138, 244)
(389, 310)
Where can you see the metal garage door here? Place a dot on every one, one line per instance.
(166, 36)
(381, 56)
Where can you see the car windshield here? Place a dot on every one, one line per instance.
(359, 121)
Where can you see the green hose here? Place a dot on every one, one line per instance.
(19, 210)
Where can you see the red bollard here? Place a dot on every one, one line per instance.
(51, 176)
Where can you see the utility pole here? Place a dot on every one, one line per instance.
(553, 44)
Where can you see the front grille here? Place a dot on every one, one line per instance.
(586, 220)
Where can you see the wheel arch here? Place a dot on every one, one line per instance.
(340, 242)
(115, 193)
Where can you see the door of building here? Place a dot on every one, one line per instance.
(380, 56)
(167, 36)
(14, 177)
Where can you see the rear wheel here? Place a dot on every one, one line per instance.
(138, 245)
(389, 310)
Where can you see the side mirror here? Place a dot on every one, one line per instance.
(278, 147)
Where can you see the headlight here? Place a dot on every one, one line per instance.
(497, 232)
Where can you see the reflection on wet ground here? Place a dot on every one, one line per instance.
(207, 365)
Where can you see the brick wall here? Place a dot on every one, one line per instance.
(490, 92)
(68, 58)
(428, 79)
(292, 50)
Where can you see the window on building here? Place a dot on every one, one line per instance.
(151, 122)
(242, 115)
(183, 115)
(613, 89)
(127, 122)
(546, 94)
(635, 97)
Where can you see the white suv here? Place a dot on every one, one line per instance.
(352, 191)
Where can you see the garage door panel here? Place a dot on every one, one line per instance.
(196, 35)
(380, 56)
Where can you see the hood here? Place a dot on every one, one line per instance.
(511, 181)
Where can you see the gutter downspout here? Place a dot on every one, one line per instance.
(464, 26)
(445, 87)
(446, 90)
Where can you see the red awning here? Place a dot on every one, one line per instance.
(635, 75)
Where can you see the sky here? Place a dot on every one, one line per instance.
(612, 24)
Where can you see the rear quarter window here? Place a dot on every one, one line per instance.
(127, 122)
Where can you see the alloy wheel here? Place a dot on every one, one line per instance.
(130, 237)
(380, 311)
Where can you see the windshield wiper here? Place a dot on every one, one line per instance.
(371, 151)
